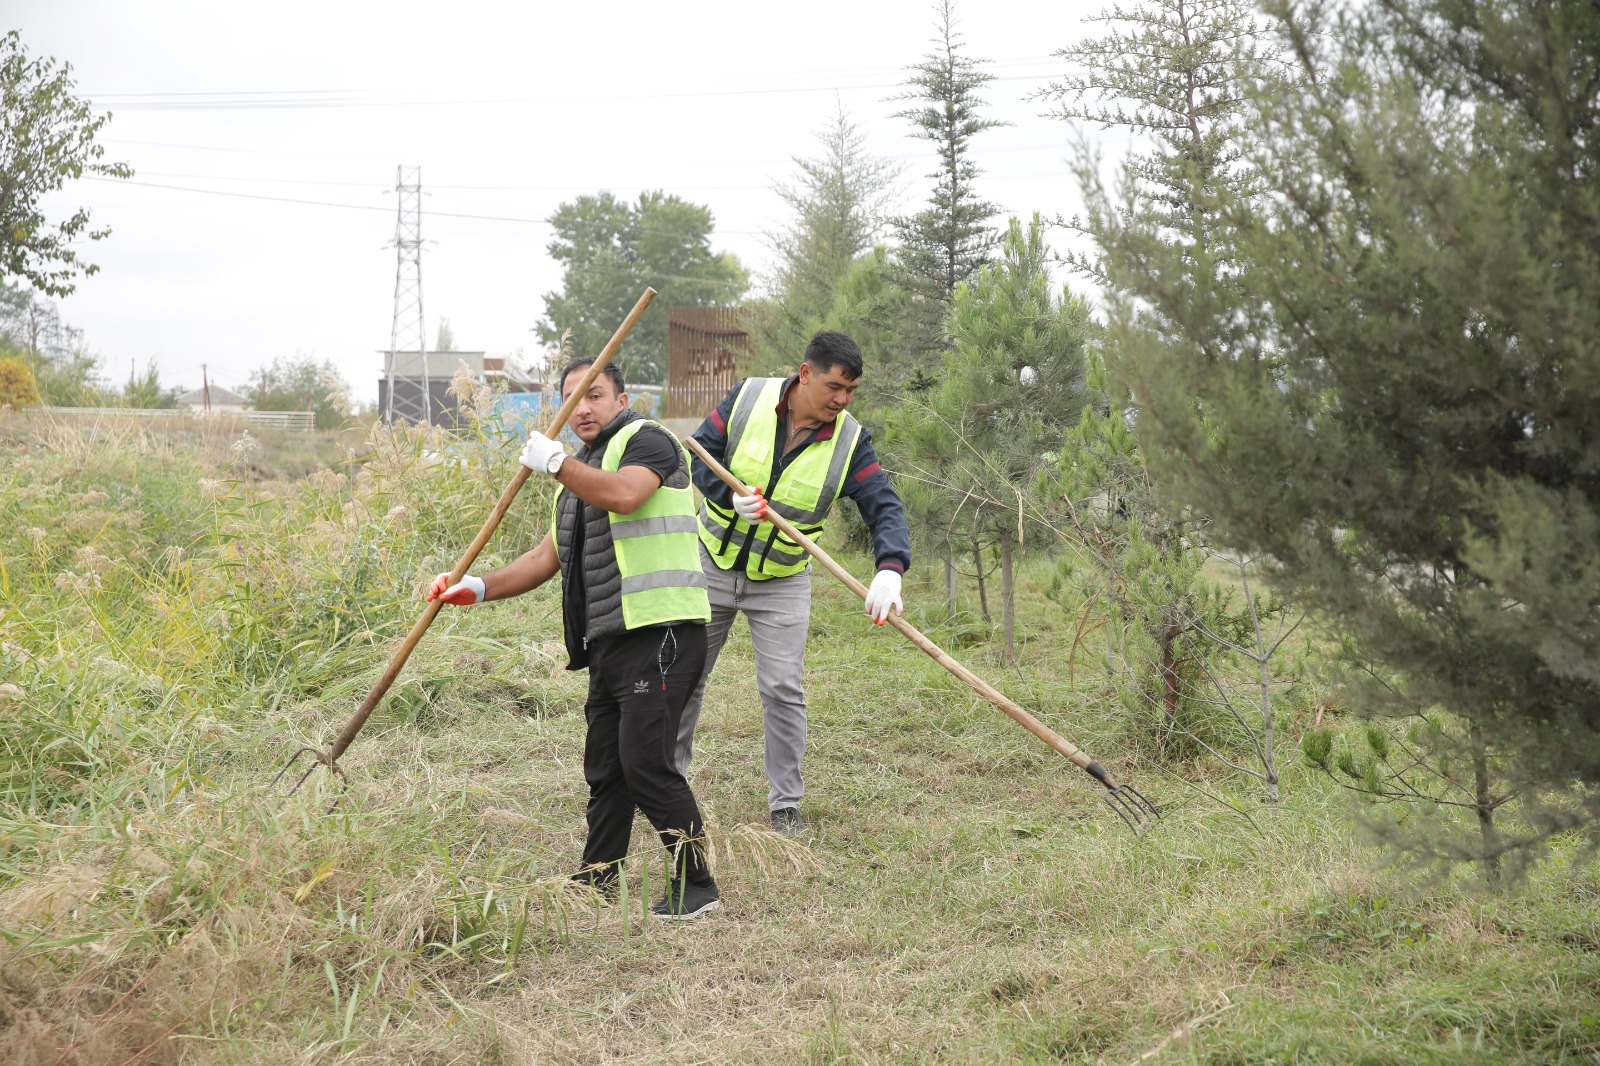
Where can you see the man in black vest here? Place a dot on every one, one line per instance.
(634, 609)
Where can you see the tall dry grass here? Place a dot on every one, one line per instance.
(176, 616)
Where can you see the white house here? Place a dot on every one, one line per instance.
(215, 400)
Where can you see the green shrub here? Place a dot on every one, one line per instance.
(18, 388)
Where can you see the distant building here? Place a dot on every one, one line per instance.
(496, 372)
(215, 400)
(442, 368)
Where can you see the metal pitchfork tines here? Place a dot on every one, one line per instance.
(318, 757)
(1130, 805)
(330, 758)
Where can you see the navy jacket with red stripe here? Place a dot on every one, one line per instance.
(865, 482)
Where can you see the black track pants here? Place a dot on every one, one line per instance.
(638, 684)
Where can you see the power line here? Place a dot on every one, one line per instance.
(248, 98)
(227, 92)
(374, 207)
(1015, 61)
(243, 151)
(143, 101)
(453, 188)
(252, 195)
(446, 214)
(902, 158)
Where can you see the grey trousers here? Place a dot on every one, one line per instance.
(779, 613)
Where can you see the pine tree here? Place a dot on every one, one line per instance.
(944, 244)
(839, 205)
(1394, 399)
(1178, 75)
(1421, 759)
(1011, 389)
(1181, 73)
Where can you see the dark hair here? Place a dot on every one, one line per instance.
(830, 349)
(612, 371)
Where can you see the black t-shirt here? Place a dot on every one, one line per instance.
(656, 452)
(653, 450)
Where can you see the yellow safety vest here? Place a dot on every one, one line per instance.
(647, 570)
(804, 493)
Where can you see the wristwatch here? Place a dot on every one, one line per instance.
(552, 465)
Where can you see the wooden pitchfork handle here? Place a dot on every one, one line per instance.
(331, 756)
(978, 684)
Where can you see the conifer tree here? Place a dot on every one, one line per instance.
(944, 244)
(1394, 398)
(1136, 567)
(839, 205)
(1179, 76)
(1181, 73)
(1012, 387)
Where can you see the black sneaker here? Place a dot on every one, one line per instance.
(786, 822)
(685, 900)
(602, 881)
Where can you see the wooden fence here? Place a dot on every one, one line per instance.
(706, 349)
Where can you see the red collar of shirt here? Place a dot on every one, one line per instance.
(826, 430)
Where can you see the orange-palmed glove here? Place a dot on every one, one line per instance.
(752, 508)
(464, 593)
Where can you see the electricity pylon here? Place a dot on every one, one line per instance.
(406, 334)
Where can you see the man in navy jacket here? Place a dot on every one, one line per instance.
(793, 442)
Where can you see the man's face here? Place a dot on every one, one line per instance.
(598, 406)
(824, 393)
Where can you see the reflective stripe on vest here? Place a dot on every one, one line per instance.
(804, 493)
(654, 547)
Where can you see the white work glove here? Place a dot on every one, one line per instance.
(752, 508)
(464, 593)
(883, 594)
(540, 451)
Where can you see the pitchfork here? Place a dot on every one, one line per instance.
(1129, 803)
(330, 758)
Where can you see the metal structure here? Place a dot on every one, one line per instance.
(706, 346)
(409, 394)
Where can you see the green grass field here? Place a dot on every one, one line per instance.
(177, 615)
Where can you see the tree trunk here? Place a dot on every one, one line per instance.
(1483, 803)
(1169, 667)
(1269, 731)
(983, 586)
(950, 583)
(1008, 604)
(1268, 735)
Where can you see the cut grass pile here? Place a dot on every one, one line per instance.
(963, 896)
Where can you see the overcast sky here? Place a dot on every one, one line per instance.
(230, 112)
